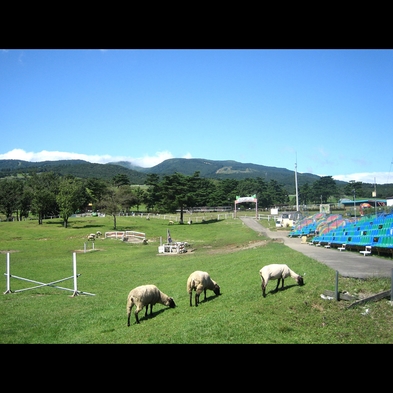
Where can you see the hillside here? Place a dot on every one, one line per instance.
(78, 168)
(228, 170)
(208, 169)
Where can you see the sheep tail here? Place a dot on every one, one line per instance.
(130, 303)
(191, 286)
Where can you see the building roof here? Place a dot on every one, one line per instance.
(348, 202)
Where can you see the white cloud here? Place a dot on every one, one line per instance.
(366, 177)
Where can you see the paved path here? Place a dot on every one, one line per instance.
(347, 263)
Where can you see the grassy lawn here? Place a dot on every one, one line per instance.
(232, 253)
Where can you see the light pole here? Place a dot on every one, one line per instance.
(375, 196)
(297, 194)
(354, 203)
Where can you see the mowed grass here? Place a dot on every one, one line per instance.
(232, 253)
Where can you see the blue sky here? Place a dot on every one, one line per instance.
(328, 111)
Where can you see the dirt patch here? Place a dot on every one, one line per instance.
(7, 251)
(236, 247)
(132, 239)
(90, 250)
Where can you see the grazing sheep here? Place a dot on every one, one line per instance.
(92, 236)
(201, 281)
(98, 233)
(277, 272)
(146, 295)
(170, 222)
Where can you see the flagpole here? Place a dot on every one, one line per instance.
(297, 195)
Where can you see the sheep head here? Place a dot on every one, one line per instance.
(171, 303)
(216, 289)
(300, 280)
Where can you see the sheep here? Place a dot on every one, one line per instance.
(146, 295)
(98, 234)
(92, 236)
(201, 281)
(277, 272)
(170, 222)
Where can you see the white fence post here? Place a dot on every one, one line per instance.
(8, 274)
(75, 276)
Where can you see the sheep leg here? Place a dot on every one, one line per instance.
(136, 316)
(191, 299)
(278, 283)
(282, 285)
(129, 309)
(138, 308)
(204, 291)
(198, 290)
(263, 288)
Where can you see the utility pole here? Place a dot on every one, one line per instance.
(375, 196)
(297, 194)
(354, 203)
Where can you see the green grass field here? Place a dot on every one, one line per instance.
(232, 253)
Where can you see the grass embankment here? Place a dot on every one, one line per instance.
(231, 252)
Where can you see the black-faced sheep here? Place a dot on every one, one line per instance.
(92, 236)
(143, 296)
(200, 282)
(98, 234)
(277, 272)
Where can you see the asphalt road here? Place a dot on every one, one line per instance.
(347, 263)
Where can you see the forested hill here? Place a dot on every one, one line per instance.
(77, 168)
(208, 169)
(226, 170)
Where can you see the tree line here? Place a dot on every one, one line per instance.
(50, 194)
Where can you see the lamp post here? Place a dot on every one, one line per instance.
(354, 203)
(297, 194)
(375, 196)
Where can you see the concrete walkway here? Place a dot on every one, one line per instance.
(347, 263)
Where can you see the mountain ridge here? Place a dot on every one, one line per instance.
(212, 169)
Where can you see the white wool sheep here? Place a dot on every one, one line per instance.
(277, 272)
(92, 236)
(170, 222)
(146, 295)
(200, 282)
(98, 234)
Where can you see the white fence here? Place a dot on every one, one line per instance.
(42, 284)
(122, 235)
